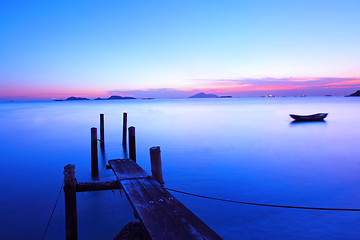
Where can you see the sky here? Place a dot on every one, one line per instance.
(169, 49)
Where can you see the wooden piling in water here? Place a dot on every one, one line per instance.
(156, 167)
(132, 149)
(102, 133)
(94, 153)
(124, 129)
(70, 202)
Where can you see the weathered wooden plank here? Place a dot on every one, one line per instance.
(140, 205)
(162, 214)
(179, 213)
(97, 186)
(157, 214)
(126, 168)
(177, 226)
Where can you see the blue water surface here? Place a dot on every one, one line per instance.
(244, 149)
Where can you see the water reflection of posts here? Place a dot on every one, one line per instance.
(132, 150)
(94, 153)
(70, 202)
(124, 129)
(102, 134)
(156, 168)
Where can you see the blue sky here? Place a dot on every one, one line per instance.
(54, 49)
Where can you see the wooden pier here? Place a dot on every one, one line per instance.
(163, 216)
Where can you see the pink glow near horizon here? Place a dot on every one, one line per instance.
(233, 86)
(47, 93)
(273, 84)
(345, 83)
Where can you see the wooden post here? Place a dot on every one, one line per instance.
(132, 149)
(70, 202)
(102, 134)
(124, 129)
(156, 168)
(94, 153)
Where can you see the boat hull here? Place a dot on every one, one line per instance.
(309, 118)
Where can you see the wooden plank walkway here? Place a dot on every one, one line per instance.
(164, 217)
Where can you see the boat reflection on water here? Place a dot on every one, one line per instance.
(304, 123)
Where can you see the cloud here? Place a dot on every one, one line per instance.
(301, 82)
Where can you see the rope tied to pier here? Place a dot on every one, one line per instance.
(52, 213)
(265, 205)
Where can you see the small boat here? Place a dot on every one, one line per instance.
(307, 118)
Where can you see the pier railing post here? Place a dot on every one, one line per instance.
(102, 133)
(94, 153)
(70, 202)
(124, 129)
(132, 149)
(156, 168)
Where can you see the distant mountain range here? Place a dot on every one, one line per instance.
(204, 95)
(76, 98)
(114, 97)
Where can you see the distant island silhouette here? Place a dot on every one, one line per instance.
(115, 97)
(355, 94)
(76, 98)
(204, 95)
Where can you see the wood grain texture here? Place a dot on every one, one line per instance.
(162, 214)
(126, 168)
(71, 231)
(97, 186)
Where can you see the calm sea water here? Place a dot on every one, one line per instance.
(242, 149)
